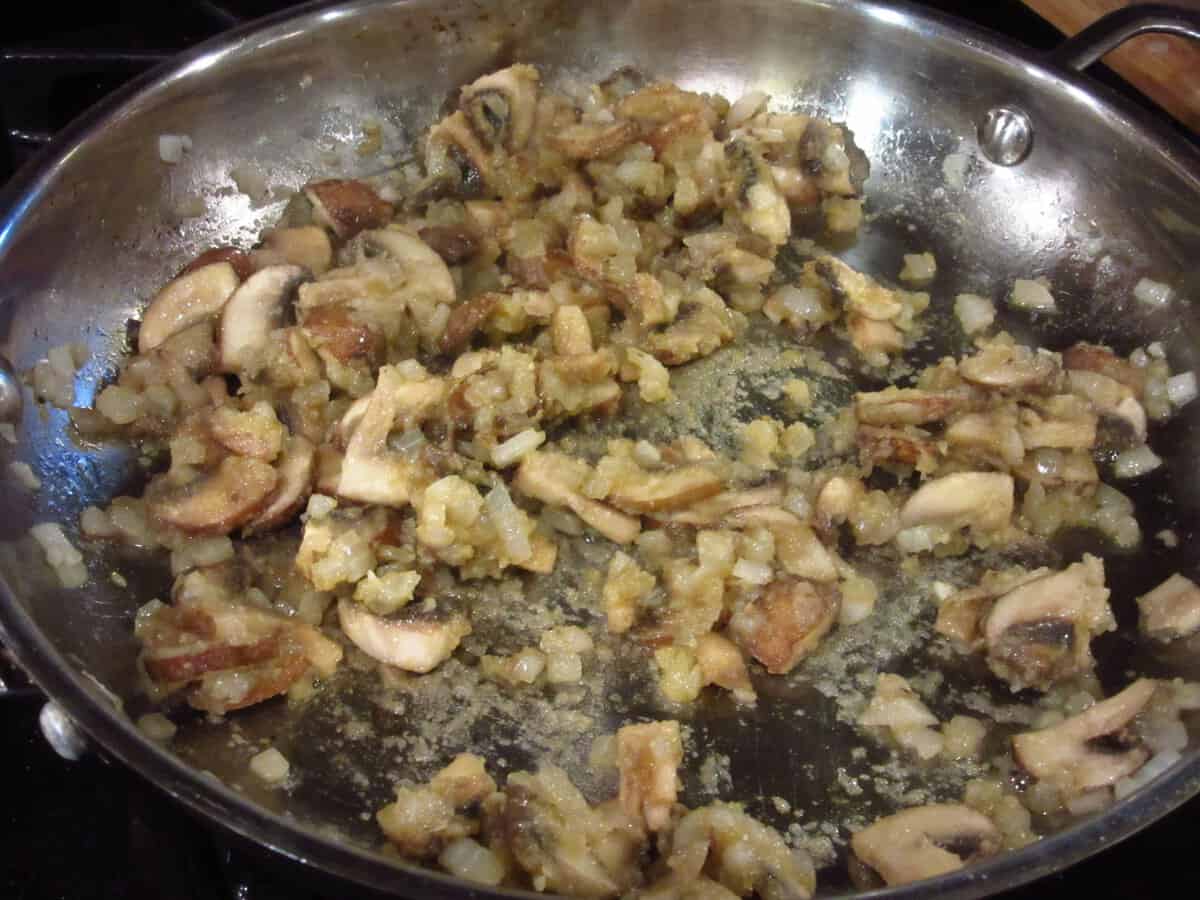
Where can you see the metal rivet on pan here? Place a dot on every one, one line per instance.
(10, 392)
(61, 732)
(1005, 135)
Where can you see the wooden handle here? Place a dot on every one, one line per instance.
(1165, 68)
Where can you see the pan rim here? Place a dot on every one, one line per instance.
(304, 844)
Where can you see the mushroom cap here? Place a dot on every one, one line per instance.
(925, 841)
(1072, 755)
(983, 500)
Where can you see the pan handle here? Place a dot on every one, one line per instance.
(1110, 31)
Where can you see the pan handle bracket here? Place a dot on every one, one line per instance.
(1109, 32)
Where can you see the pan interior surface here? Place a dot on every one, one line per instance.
(1095, 207)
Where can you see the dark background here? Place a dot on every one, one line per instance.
(95, 830)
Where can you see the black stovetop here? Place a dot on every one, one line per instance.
(92, 829)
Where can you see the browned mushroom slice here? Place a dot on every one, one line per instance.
(593, 140)
(717, 507)
(455, 159)
(220, 501)
(1091, 750)
(189, 299)
(1092, 358)
(333, 329)
(703, 324)
(740, 853)
(786, 622)
(453, 243)
(413, 645)
(501, 107)
(304, 245)
(1040, 632)
(983, 500)
(348, 207)
(555, 479)
(426, 272)
(1004, 366)
(1171, 610)
(648, 759)
(654, 492)
(907, 446)
(371, 472)
(466, 319)
(962, 614)
(296, 470)
(555, 836)
(252, 312)
(797, 546)
(241, 261)
(906, 406)
(925, 841)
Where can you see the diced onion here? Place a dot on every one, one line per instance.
(171, 147)
(745, 108)
(918, 267)
(64, 559)
(802, 303)
(1181, 388)
(157, 727)
(974, 313)
(509, 524)
(752, 572)
(1031, 295)
(465, 858)
(1154, 767)
(1136, 462)
(517, 447)
(1153, 293)
(270, 765)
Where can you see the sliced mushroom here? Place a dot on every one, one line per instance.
(220, 501)
(187, 300)
(1110, 397)
(455, 244)
(241, 261)
(501, 107)
(235, 655)
(556, 838)
(422, 820)
(333, 329)
(994, 434)
(1171, 610)
(1039, 632)
(555, 479)
(786, 622)
(305, 245)
(907, 446)
(594, 140)
(925, 841)
(455, 160)
(653, 492)
(252, 312)
(906, 406)
(717, 507)
(427, 273)
(648, 759)
(371, 472)
(1091, 750)
(740, 853)
(415, 646)
(255, 432)
(871, 336)
(797, 546)
(348, 207)
(858, 293)
(763, 208)
(961, 615)
(466, 319)
(703, 325)
(296, 470)
(1092, 358)
(1009, 367)
(983, 500)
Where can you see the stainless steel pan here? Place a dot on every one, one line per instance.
(1061, 180)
